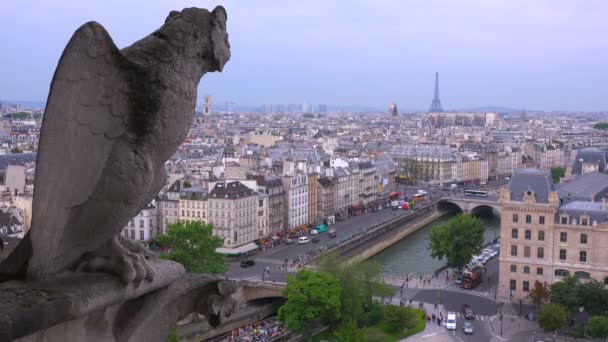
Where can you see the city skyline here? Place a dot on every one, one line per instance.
(542, 55)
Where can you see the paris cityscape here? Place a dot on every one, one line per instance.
(428, 209)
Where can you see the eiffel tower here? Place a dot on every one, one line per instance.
(436, 104)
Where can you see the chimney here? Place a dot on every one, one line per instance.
(603, 206)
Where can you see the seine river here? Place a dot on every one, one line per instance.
(410, 255)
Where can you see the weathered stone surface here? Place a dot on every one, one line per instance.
(26, 307)
(113, 117)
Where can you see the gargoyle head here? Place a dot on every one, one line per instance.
(200, 34)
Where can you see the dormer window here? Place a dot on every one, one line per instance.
(564, 220)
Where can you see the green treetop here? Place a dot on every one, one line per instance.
(457, 240)
(312, 298)
(193, 245)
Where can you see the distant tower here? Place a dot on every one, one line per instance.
(207, 105)
(523, 115)
(436, 104)
(392, 109)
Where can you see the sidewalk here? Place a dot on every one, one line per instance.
(511, 325)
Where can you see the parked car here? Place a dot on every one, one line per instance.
(450, 322)
(289, 242)
(315, 240)
(467, 311)
(468, 328)
(247, 263)
(303, 239)
(332, 233)
(314, 232)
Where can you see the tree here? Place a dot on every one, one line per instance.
(598, 327)
(311, 297)
(601, 125)
(359, 283)
(308, 116)
(565, 293)
(396, 317)
(187, 184)
(539, 293)
(457, 240)
(556, 173)
(593, 297)
(16, 150)
(193, 245)
(552, 317)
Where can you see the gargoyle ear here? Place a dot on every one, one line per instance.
(171, 15)
(219, 37)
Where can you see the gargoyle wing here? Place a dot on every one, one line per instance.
(86, 111)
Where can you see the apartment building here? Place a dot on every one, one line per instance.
(545, 237)
(232, 209)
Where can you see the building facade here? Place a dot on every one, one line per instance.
(545, 238)
(232, 210)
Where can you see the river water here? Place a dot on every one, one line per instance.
(410, 255)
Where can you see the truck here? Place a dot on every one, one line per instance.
(471, 277)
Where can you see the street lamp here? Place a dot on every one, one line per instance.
(499, 309)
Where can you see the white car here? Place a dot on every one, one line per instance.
(303, 240)
(450, 322)
(314, 232)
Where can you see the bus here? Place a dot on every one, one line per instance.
(471, 277)
(478, 193)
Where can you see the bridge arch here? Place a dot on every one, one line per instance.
(449, 206)
(473, 205)
(484, 209)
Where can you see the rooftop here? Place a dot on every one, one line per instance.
(535, 180)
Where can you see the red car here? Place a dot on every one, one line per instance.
(467, 311)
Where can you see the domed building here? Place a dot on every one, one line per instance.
(588, 160)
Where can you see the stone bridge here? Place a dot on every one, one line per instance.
(252, 290)
(470, 204)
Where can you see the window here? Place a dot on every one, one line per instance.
(513, 268)
(541, 220)
(584, 221)
(584, 239)
(132, 234)
(541, 235)
(526, 251)
(564, 220)
(183, 212)
(513, 285)
(515, 218)
(561, 273)
(582, 256)
(563, 237)
(528, 219)
(513, 250)
(528, 234)
(141, 235)
(527, 269)
(539, 271)
(141, 223)
(514, 233)
(582, 275)
(562, 254)
(126, 233)
(540, 252)
(526, 286)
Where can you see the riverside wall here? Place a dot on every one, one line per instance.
(384, 235)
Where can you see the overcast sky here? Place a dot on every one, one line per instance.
(547, 55)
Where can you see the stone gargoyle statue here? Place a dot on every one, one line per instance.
(113, 118)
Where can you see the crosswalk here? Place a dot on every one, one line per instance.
(482, 318)
(458, 289)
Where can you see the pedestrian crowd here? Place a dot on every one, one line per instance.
(263, 331)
